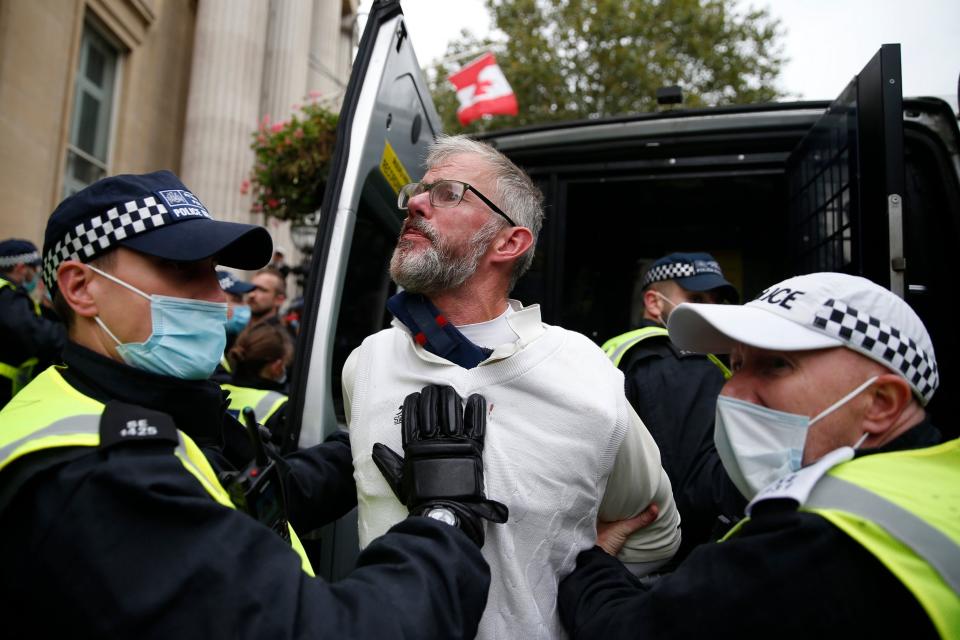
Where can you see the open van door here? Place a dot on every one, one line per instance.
(846, 178)
(874, 190)
(386, 122)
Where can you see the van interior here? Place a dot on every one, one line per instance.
(615, 201)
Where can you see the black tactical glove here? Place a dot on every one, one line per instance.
(442, 467)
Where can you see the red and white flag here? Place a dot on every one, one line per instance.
(483, 89)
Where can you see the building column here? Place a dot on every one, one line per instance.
(223, 107)
(287, 53)
(285, 83)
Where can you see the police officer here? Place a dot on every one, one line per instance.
(675, 393)
(831, 374)
(238, 317)
(123, 512)
(30, 341)
(258, 362)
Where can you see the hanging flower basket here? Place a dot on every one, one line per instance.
(292, 162)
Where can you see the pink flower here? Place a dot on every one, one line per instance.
(261, 139)
(273, 203)
(298, 134)
(277, 127)
(245, 187)
(256, 207)
(315, 94)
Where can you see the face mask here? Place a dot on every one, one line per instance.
(758, 445)
(31, 284)
(239, 320)
(664, 316)
(187, 340)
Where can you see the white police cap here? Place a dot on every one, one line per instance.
(817, 311)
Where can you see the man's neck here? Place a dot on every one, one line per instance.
(470, 304)
(650, 318)
(912, 416)
(266, 315)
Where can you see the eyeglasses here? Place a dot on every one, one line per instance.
(445, 194)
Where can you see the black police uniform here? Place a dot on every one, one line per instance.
(675, 394)
(786, 574)
(121, 541)
(25, 334)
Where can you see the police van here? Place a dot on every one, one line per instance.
(866, 184)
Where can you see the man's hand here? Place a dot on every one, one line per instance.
(442, 467)
(611, 536)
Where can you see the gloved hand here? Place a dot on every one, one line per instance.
(442, 465)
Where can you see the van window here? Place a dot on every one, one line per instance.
(367, 286)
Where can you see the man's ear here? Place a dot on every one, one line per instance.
(511, 244)
(652, 304)
(887, 398)
(73, 280)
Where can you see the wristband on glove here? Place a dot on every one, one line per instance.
(442, 466)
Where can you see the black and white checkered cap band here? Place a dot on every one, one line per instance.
(100, 233)
(24, 258)
(882, 342)
(670, 271)
(227, 281)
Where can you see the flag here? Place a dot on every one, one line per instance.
(482, 89)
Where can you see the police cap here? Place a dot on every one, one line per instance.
(818, 311)
(154, 214)
(693, 272)
(230, 284)
(15, 251)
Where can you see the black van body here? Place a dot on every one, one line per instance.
(867, 184)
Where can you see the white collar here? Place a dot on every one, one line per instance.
(524, 321)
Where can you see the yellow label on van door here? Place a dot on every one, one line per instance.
(392, 169)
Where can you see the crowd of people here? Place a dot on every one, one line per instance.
(758, 469)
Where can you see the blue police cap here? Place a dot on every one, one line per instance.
(693, 272)
(15, 251)
(231, 285)
(154, 214)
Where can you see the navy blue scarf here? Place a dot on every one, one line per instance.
(433, 332)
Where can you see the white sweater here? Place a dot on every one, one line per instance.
(557, 418)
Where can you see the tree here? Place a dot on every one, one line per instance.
(572, 59)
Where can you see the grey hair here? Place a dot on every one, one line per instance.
(515, 192)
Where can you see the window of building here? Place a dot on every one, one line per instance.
(91, 121)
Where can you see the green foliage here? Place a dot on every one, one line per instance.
(292, 162)
(572, 59)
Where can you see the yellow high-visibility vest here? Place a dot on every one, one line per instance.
(264, 403)
(904, 508)
(617, 347)
(18, 374)
(49, 413)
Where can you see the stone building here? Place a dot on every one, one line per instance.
(90, 88)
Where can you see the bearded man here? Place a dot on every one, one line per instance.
(563, 446)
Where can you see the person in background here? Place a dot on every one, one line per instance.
(852, 524)
(31, 342)
(238, 317)
(675, 394)
(278, 262)
(258, 361)
(268, 295)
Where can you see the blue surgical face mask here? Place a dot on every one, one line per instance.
(187, 340)
(239, 319)
(31, 284)
(758, 445)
